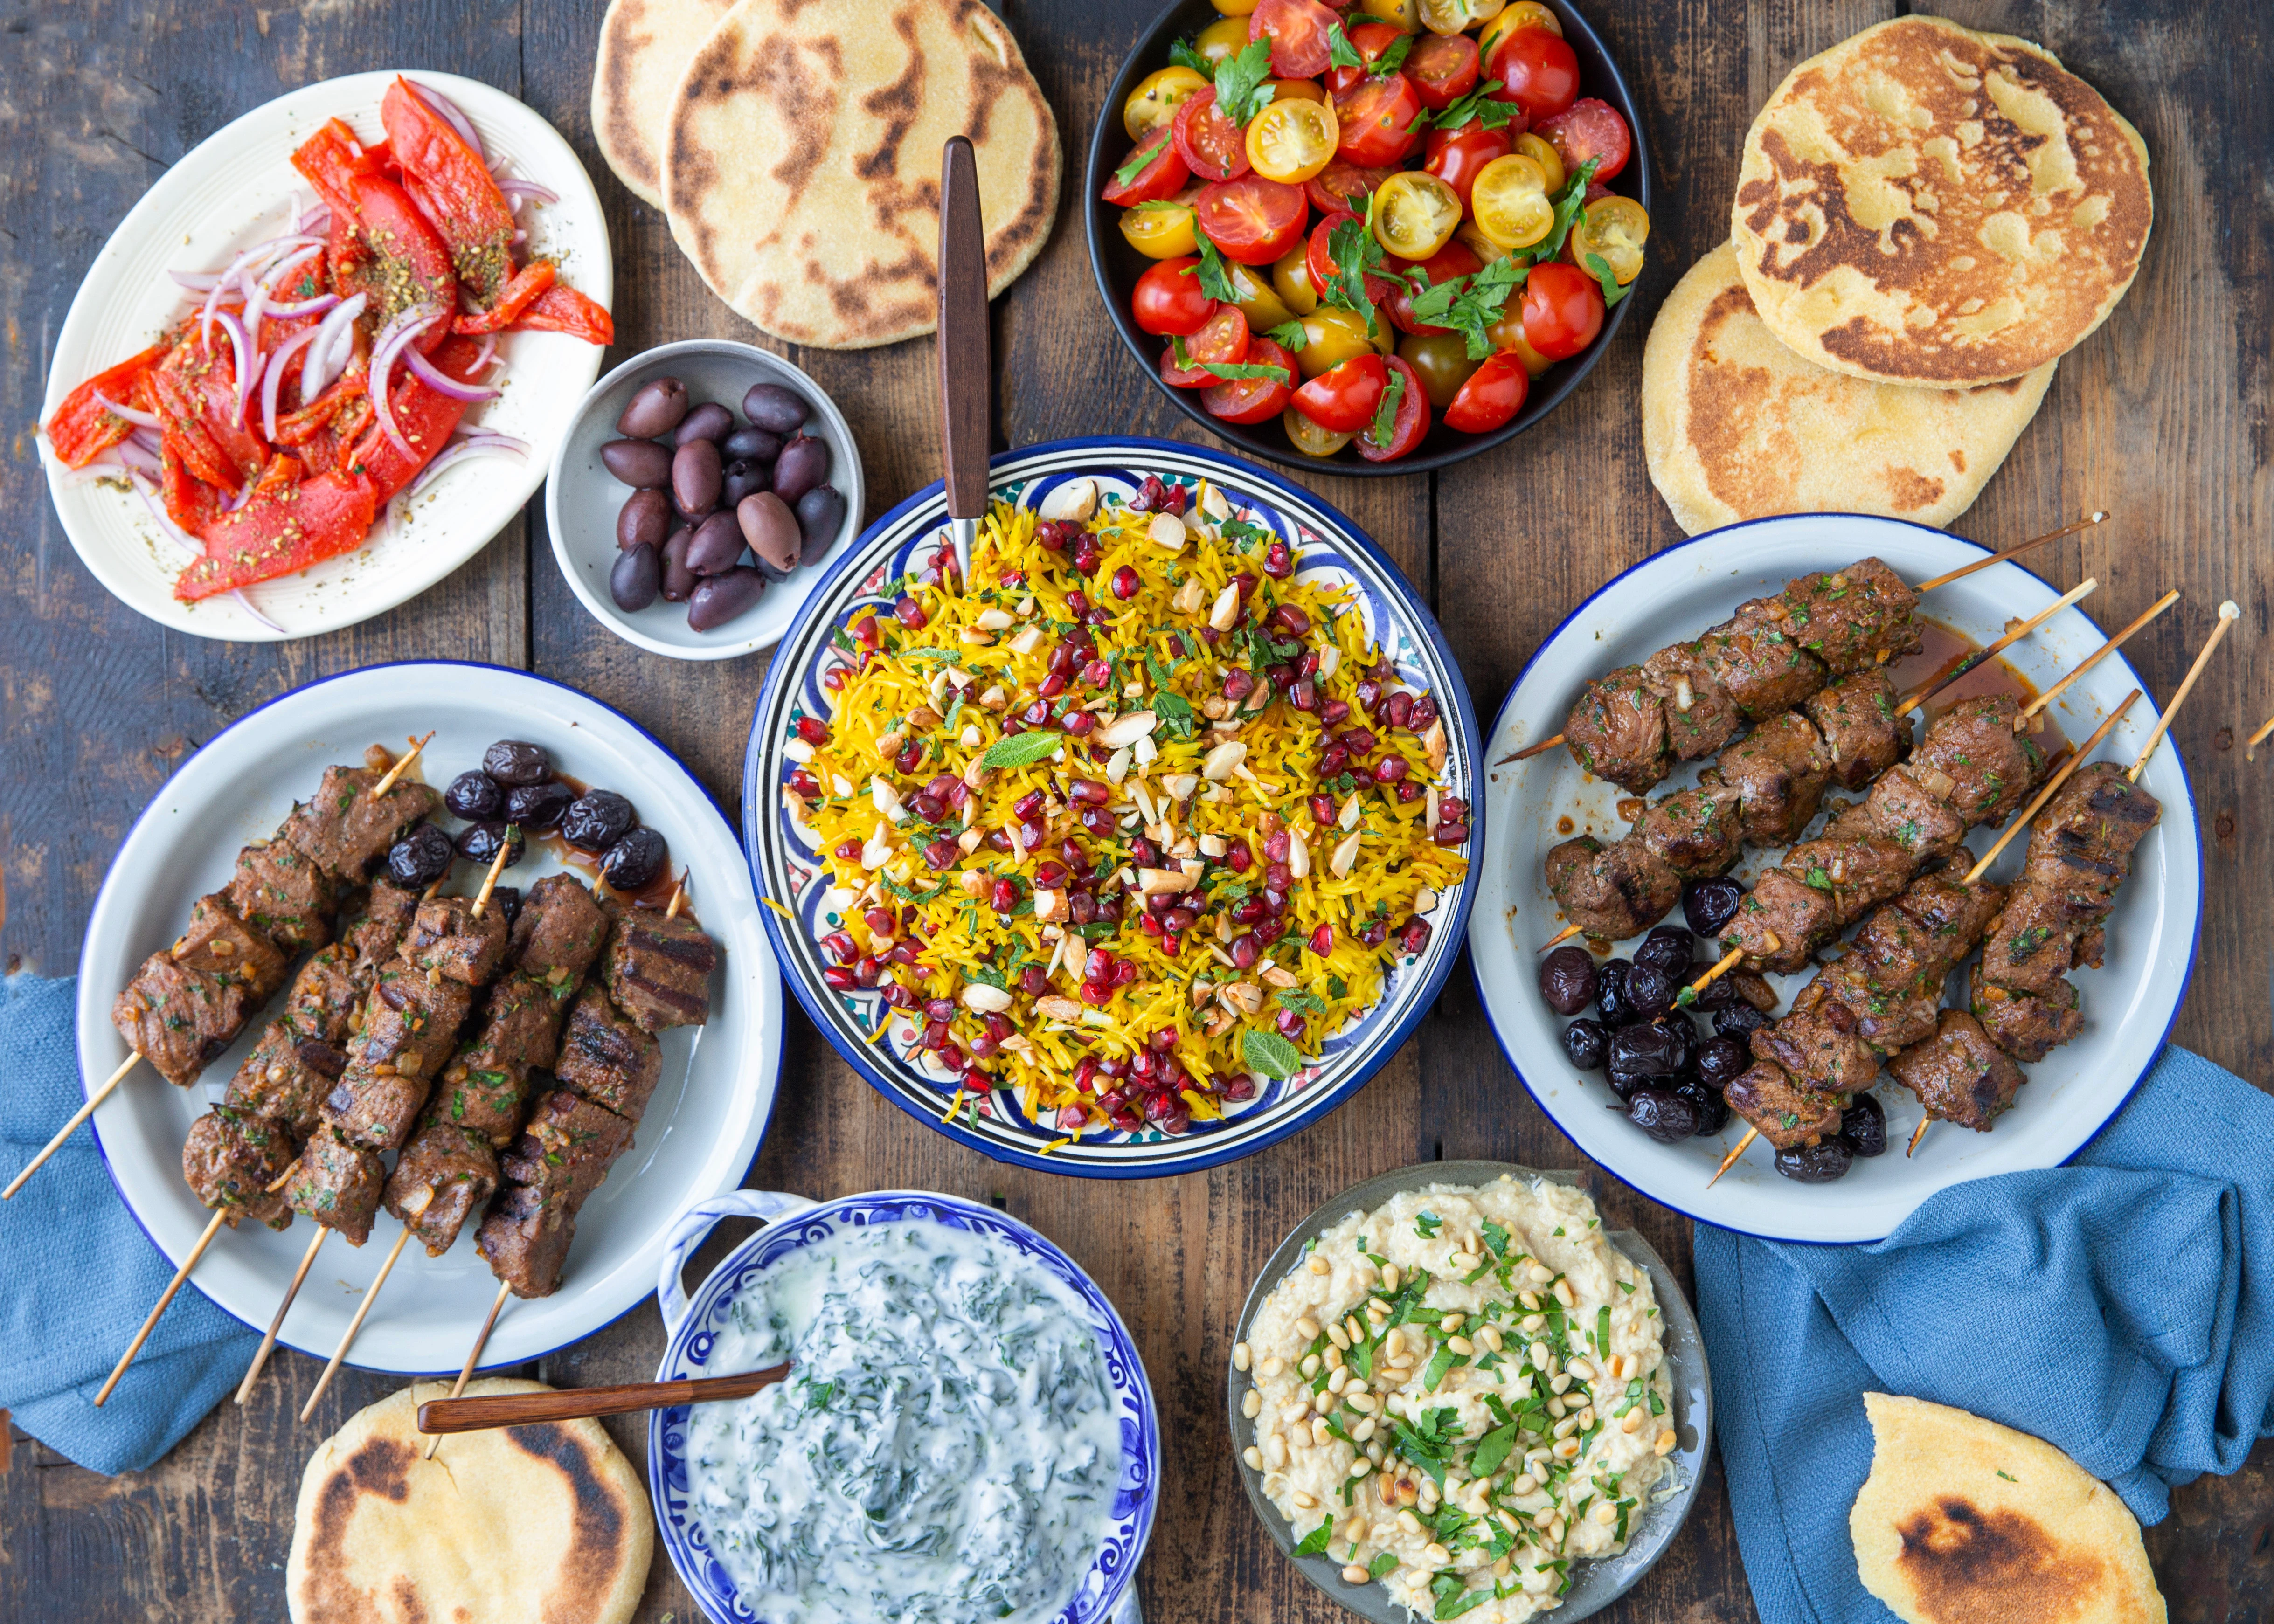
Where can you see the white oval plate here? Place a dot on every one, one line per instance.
(699, 1131)
(237, 187)
(2130, 1003)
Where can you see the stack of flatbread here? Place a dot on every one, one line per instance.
(795, 146)
(1927, 219)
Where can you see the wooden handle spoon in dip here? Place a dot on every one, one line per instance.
(475, 1415)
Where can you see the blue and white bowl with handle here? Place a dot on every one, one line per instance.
(1106, 1595)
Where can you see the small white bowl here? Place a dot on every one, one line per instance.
(582, 497)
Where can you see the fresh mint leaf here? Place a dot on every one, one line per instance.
(1426, 1226)
(1353, 251)
(1470, 305)
(1296, 998)
(1141, 159)
(1270, 1054)
(1612, 291)
(1174, 713)
(1022, 750)
(1493, 1448)
(1315, 1542)
(1290, 337)
(1393, 55)
(1496, 1239)
(1243, 82)
(1382, 1565)
(1568, 203)
(1216, 280)
(1340, 51)
(1228, 370)
(1182, 55)
(1478, 107)
(976, 971)
(1385, 415)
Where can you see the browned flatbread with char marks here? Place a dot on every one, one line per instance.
(645, 45)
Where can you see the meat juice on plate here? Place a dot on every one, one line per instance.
(945, 1448)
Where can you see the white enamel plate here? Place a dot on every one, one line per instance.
(2130, 1003)
(699, 1131)
(238, 188)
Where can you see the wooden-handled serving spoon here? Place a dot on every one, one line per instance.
(964, 361)
(475, 1415)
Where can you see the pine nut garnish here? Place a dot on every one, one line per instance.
(1253, 1456)
(1240, 1355)
(1252, 1405)
(1273, 1365)
(1355, 1574)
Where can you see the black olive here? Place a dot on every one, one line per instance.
(634, 860)
(803, 464)
(759, 446)
(1705, 1100)
(1710, 904)
(1650, 990)
(479, 842)
(635, 579)
(1668, 948)
(1611, 1000)
(708, 421)
(1624, 1083)
(597, 819)
(1738, 1020)
(820, 515)
(1585, 1043)
(1647, 1050)
(1864, 1126)
(1717, 993)
(538, 806)
(1722, 1061)
(420, 858)
(474, 795)
(1567, 978)
(1679, 1027)
(507, 900)
(776, 410)
(510, 762)
(1816, 1164)
(1662, 1114)
(741, 480)
(656, 410)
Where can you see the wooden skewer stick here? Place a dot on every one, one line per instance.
(1722, 965)
(269, 1342)
(2229, 613)
(2100, 654)
(678, 897)
(85, 1111)
(388, 783)
(474, 1357)
(2251, 749)
(213, 1228)
(1917, 1134)
(475, 1415)
(355, 1324)
(497, 866)
(1735, 1151)
(1920, 696)
(1564, 934)
(2030, 545)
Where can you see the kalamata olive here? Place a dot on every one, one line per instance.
(1864, 1126)
(1585, 1043)
(474, 795)
(1624, 1083)
(643, 520)
(720, 598)
(1611, 1000)
(708, 421)
(1738, 1020)
(421, 857)
(1567, 978)
(741, 479)
(1708, 905)
(513, 762)
(1680, 1027)
(538, 806)
(771, 407)
(1662, 1114)
(820, 514)
(507, 900)
(752, 446)
(654, 411)
(635, 579)
(1646, 1049)
(804, 463)
(1705, 1100)
(716, 546)
(697, 477)
(1817, 1164)
(597, 819)
(479, 842)
(770, 529)
(678, 579)
(1667, 947)
(1650, 990)
(1721, 1060)
(640, 462)
(634, 860)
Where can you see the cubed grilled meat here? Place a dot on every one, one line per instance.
(1904, 809)
(1760, 665)
(179, 1019)
(220, 945)
(1779, 769)
(1786, 1113)
(1851, 619)
(338, 1185)
(1887, 1021)
(1781, 923)
(376, 933)
(567, 1149)
(1851, 859)
(1617, 730)
(2027, 1025)
(450, 939)
(1863, 735)
(287, 1076)
(607, 1059)
(1820, 1044)
(1960, 1076)
(659, 969)
(231, 1157)
(344, 828)
(525, 1238)
(284, 895)
(1701, 715)
(409, 1026)
(1991, 769)
(1615, 891)
(2032, 946)
(1916, 940)
(2081, 849)
(1695, 833)
(560, 927)
(482, 1089)
(444, 1175)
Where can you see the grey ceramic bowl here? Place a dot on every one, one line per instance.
(1599, 1582)
(582, 498)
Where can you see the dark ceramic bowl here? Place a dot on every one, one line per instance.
(1117, 266)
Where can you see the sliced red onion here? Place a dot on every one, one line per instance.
(400, 332)
(274, 380)
(306, 308)
(197, 281)
(483, 357)
(435, 378)
(237, 500)
(318, 219)
(334, 342)
(516, 190)
(248, 364)
(452, 117)
(256, 306)
(271, 277)
(140, 419)
(253, 258)
(134, 454)
(499, 438)
(245, 604)
(147, 439)
(459, 450)
(166, 525)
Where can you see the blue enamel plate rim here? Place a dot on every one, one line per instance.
(1446, 947)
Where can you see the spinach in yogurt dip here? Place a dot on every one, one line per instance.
(944, 1450)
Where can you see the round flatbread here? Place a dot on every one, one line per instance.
(800, 166)
(525, 1525)
(645, 45)
(1963, 1520)
(1926, 205)
(1737, 427)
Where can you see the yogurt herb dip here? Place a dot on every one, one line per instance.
(1457, 1395)
(945, 1448)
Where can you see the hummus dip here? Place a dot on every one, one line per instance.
(1460, 1394)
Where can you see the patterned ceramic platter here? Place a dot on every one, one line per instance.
(789, 870)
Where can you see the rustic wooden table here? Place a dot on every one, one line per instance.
(2163, 417)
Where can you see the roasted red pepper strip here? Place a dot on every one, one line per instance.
(454, 189)
(297, 427)
(426, 417)
(523, 291)
(287, 525)
(82, 428)
(397, 257)
(562, 309)
(190, 502)
(196, 391)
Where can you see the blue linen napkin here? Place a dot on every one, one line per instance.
(2121, 1307)
(77, 1274)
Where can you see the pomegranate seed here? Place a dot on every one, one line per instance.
(1303, 693)
(1109, 907)
(929, 808)
(997, 841)
(813, 730)
(1275, 904)
(1291, 620)
(1085, 1074)
(957, 793)
(1079, 724)
(1014, 577)
(941, 853)
(1278, 877)
(984, 1048)
(847, 850)
(837, 978)
(1389, 768)
(1081, 907)
(870, 634)
(1397, 710)
(1124, 583)
(833, 679)
(1125, 1120)
(805, 784)
(1172, 501)
(1322, 940)
(1276, 846)
(1149, 924)
(934, 1034)
(911, 757)
(1308, 665)
(1172, 1075)
(1027, 805)
(1086, 557)
(1409, 792)
(1375, 934)
(1333, 762)
(1063, 659)
(1050, 876)
(1004, 895)
(1177, 920)
(1072, 1118)
(1050, 534)
(881, 922)
(1424, 712)
(1249, 910)
(1096, 992)
(1239, 857)
(867, 971)
(1452, 809)
(903, 953)
(1142, 1064)
(1333, 713)
(1148, 496)
(1124, 973)
(1177, 1120)
(1049, 687)
(1160, 903)
(1415, 936)
(1033, 982)
(1031, 836)
(1097, 820)
(1289, 1023)
(1238, 685)
(1163, 1038)
(1246, 582)
(1278, 560)
(1097, 673)
(1210, 635)
(899, 997)
(1113, 1066)
(1098, 966)
(1171, 942)
(1089, 792)
(910, 614)
(1244, 951)
(1357, 740)
(1238, 1086)
(1322, 811)
(1451, 834)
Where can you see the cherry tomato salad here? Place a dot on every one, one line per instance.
(1362, 222)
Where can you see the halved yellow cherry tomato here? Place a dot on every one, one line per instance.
(1155, 99)
(1227, 36)
(1458, 16)
(1413, 214)
(1441, 361)
(1257, 299)
(1298, 90)
(1508, 334)
(1331, 335)
(1477, 243)
(1550, 162)
(1291, 279)
(1309, 438)
(1402, 15)
(1292, 140)
(1520, 14)
(1614, 227)
(1234, 8)
(1160, 230)
(1510, 202)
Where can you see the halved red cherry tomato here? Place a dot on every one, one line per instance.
(1321, 257)
(1493, 394)
(1253, 220)
(1343, 399)
(1159, 180)
(1378, 118)
(1369, 40)
(1297, 32)
(1562, 309)
(1212, 146)
(1254, 400)
(1537, 70)
(1590, 129)
(1406, 429)
(1223, 337)
(1456, 155)
(1442, 67)
(1334, 186)
(1453, 259)
(1169, 300)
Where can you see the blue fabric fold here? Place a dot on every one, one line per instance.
(77, 1274)
(2121, 1307)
